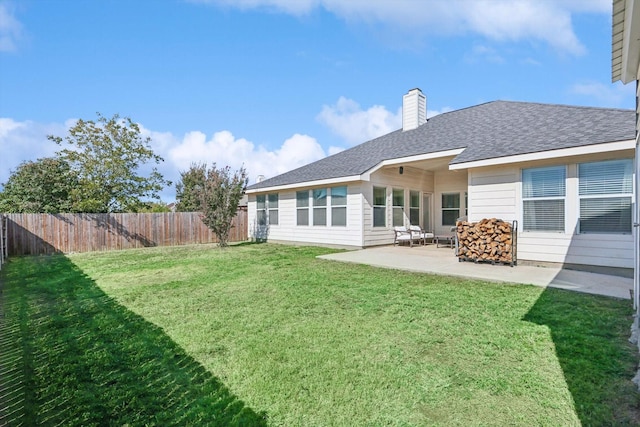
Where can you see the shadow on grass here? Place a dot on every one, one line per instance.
(71, 355)
(592, 349)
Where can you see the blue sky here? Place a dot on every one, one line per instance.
(275, 84)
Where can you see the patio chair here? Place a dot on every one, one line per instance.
(419, 234)
(403, 234)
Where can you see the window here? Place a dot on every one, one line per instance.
(267, 209)
(466, 204)
(272, 206)
(543, 197)
(320, 206)
(339, 206)
(379, 207)
(261, 207)
(414, 207)
(450, 208)
(398, 207)
(302, 207)
(605, 190)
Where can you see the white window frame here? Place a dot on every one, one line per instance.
(302, 207)
(378, 208)
(595, 185)
(449, 209)
(319, 207)
(337, 205)
(413, 209)
(397, 220)
(272, 208)
(466, 204)
(533, 197)
(266, 210)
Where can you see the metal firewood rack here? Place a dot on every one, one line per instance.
(514, 250)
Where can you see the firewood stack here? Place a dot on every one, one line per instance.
(490, 240)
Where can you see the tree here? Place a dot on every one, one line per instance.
(41, 186)
(189, 186)
(154, 207)
(219, 198)
(107, 155)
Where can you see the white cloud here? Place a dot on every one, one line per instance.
(10, 28)
(606, 95)
(530, 61)
(226, 150)
(294, 7)
(27, 140)
(431, 113)
(522, 20)
(7, 126)
(499, 20)
(482, 53)
(347, 119)
(335, 150)
(23, 141)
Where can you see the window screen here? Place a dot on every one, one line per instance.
(543, 194)
(414, 207)
(320, 206)
(605, 190)
(339, 206)
(450, 208)
(398, 207)
(379, 207)
(302, 207)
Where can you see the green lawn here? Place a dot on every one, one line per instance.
(269, 334)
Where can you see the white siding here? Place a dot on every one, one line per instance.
(590, 249)
(495, 192)
(288, 231)
(390, 178)
(447, 182)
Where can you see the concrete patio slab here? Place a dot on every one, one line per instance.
(430, 259)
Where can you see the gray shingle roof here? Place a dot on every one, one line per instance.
(485, 131)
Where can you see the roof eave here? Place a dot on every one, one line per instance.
(314, 183)
(625, 49)
(365, 176)
(409, 159)
(628, 144)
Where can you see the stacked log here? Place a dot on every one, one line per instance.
(489, 240)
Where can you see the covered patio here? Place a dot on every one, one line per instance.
(431, 259)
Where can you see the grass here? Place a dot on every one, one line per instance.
(268, 333)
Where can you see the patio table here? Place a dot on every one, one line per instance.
(446, 240)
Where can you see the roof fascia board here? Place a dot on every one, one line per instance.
(316, 183)
(617, 39)
(552, 154)
(630, 51)
(403, 160)
(364, 177)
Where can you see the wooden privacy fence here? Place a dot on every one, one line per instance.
(35, 234)
(3, 240)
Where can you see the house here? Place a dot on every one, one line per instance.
(625, 67)
(564, 173)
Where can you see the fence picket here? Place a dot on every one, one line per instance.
(36, 234)
(3, 240)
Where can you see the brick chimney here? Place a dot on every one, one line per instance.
(414, 109)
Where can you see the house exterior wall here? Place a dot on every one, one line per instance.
(360, 231)
(287, 230)
(427, 183)
(496, 192)
(637, 104)
(448, 182)
(390, 178)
